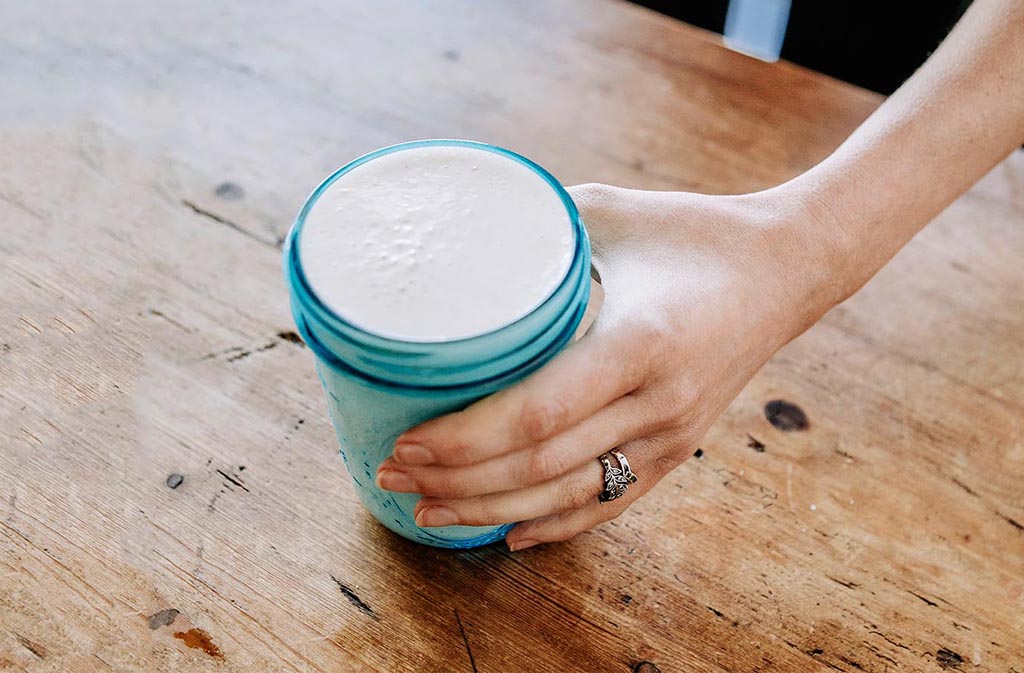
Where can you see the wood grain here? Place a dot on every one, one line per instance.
(155, 153)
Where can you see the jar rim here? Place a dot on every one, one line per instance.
(297, 277)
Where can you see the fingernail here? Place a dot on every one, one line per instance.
(436, 515)
(520, 545)
(413, 454)
(396, 480)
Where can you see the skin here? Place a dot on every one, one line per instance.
(701, 290)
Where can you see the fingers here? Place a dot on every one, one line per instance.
(623, 420)
(578, 489)
(565, 525)
(569, 491)
(583, 379)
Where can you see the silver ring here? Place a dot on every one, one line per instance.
(624, 464)
(615, 482)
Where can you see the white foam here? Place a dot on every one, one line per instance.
(436, 243)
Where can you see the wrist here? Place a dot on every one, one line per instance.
(808, 247)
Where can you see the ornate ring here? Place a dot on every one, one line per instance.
(624, 464)
(615, 480)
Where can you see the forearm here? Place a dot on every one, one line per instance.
(960, 114)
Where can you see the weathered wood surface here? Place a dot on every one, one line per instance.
(153, 155)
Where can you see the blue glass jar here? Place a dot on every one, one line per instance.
(377, 387)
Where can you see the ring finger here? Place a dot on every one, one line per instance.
(565, 525)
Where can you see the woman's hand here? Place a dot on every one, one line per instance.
(699, 292)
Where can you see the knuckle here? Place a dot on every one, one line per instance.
(595, 195)
(546, 463)
(622, 363)
(576, 493)
(540, 418)
(665, 464)
(442, 484)
(674, 402)
(654, 333)
(685, 397)
(477, 514)
(686, 438)
(456, 452)
(646, 350)
(673, 449)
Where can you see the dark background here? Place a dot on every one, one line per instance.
(874, 44)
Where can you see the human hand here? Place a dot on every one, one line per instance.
(699, 292)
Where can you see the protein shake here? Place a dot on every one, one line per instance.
(425, 276)
(436, 243)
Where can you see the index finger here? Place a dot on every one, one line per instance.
(580, 381)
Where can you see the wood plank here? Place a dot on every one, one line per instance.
(160, 153)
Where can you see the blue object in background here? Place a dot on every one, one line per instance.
(757, 27)
(378, 387)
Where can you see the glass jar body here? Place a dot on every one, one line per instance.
(378, 387)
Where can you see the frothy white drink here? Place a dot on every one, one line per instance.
(436, 243)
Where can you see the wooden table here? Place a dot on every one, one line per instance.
(171, 498)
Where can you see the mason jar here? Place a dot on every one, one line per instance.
(377, 387)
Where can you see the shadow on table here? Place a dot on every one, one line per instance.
(441, 604)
